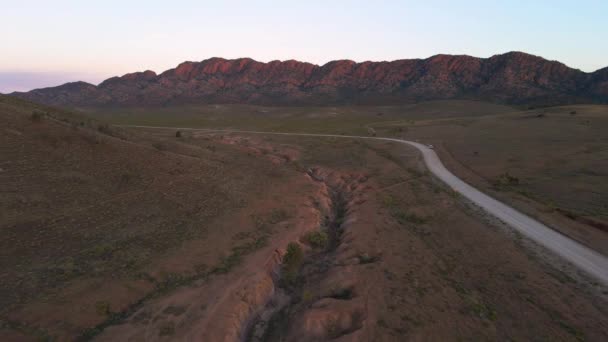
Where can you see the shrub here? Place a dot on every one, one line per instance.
(307, 296)
(367, 259)
(507, 179)
(317, 239)
(292, 260)
(178, 134)
(102, 308)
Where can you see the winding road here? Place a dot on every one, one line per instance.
(586, 259)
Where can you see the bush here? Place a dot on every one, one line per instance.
(507, 179)
(292, 260)
(367, 259)
(102, 308)
(178, 134)
(317, 239)
(307, 296)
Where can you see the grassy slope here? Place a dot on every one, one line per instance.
(88, 220)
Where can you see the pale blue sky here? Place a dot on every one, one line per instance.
(51, 42)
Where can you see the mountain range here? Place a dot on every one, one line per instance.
(512, 78)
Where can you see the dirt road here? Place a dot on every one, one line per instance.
(584, 258)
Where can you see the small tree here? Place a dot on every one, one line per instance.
(178, 134)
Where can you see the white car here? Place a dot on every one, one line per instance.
(431, 146)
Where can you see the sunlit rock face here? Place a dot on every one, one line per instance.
(515, 78)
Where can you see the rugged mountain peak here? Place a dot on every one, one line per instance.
(513, 77)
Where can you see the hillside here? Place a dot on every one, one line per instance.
(512, 78)
(94, 219)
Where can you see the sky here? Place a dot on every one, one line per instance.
(47, 43)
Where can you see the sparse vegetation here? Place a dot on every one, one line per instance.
(483, 311)
(507, 179)
(576, 333)
(159, 146)
(405, 217)
(343, 294)
(316, 239)
(36, 115)
(366, 258)
(167, 329)
(102, 308)
(292, 260)
(278, 215)
(402, 216)
(105, 129)
(160, 202)
(307, 296)
(237, 254)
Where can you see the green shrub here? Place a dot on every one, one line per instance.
(307, 296)
(317, 239)
(102, 308)
(367, 259)
(507, 179)
(292, 260)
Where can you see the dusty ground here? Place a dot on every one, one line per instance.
(410, 262)
(193, 244)
(549, 162)
(93, 224)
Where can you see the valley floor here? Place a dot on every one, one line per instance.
(144, 234)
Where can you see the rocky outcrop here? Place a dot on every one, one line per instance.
(514, 77)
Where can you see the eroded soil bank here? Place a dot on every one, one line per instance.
(283, 314)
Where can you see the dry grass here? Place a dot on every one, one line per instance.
(557, 155)
(98, 223)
